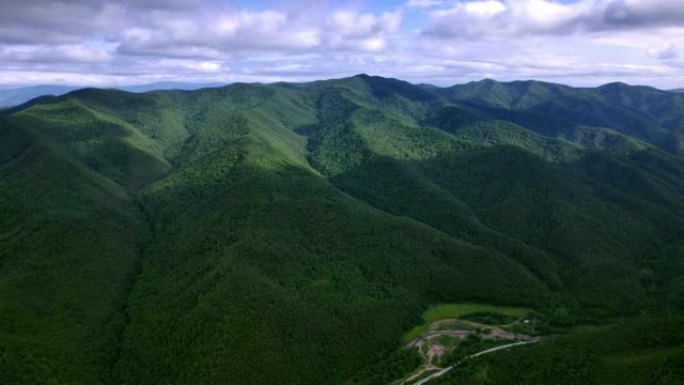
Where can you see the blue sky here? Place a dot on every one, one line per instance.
(117, 42)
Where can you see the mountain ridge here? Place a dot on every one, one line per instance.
(15, 96)
(316, 222)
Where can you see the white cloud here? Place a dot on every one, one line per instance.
(346, 30)
(506, 18)
(441, 41)
(246, 31)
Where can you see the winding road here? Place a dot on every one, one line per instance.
(492, 350)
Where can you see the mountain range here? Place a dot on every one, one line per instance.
(14, 96)
(293, 233)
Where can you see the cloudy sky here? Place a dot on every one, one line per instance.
(118, 42)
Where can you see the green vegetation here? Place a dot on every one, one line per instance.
(491, 318)
(462, 310)
(437, 312)
(69, 244)
(291, 234)
(395, 366)
(647, 350)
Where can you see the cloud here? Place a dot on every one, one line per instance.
(346, 30)
(507, 18)
(213, 36)
(61, 22)
(666, 52)
(52, 54)
(73, 21)
(440, 41)
(141, 39)
(643, 13)
(247, 31)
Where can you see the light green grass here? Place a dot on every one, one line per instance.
(456, 310)
(456, 325)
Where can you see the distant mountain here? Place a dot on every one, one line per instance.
(642, 112)
(10, 97)
(295, 234)
(678, 90)
(167, 86)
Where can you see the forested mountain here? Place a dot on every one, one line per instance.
(292, 233)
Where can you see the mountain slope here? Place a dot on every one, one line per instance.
(291, 233)
(69, 247)
(646, 113)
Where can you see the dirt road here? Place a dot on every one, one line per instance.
(492, 350)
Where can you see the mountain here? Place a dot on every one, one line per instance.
(645, 113)
(293, 233)
(678, 90)
(10, 97)
(167, 86)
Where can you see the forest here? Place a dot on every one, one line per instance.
(294, 233)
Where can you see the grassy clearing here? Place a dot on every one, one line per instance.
(456, 310)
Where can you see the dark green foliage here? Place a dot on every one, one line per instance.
(69, 241)
(645, 113)
(290, 234)
(643, 351)
(395, 366)
(490, 318)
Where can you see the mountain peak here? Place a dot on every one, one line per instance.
(615, 85)
(485, 81)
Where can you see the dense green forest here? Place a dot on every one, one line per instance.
(292, 233)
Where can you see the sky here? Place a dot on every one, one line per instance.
(442, 42)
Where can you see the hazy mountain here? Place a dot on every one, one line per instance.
(167, 86)
(15, 96)
(10, 97)
(291, 234)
